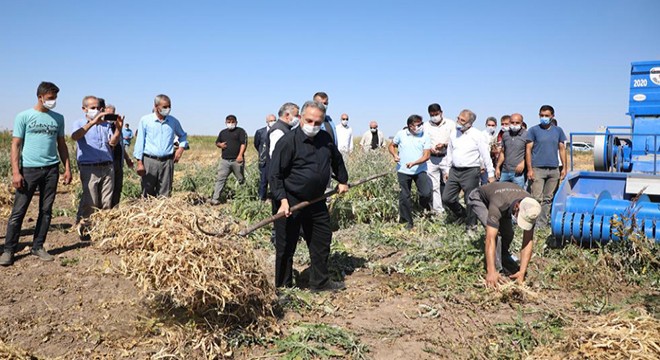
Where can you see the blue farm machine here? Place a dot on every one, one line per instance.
(625, 180)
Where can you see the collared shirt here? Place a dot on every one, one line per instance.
(411, 148)
(469, 149)
(441, 134)
(94, 147)
(126, 135)
(301, 166)
(156, 138)
(39, 132)
(345, 138)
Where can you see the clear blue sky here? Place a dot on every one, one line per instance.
(378, 60)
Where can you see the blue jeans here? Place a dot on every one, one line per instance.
(511, 176)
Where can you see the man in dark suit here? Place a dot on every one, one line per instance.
(260, 137)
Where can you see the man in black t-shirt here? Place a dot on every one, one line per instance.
(233, 142)
(497, 206)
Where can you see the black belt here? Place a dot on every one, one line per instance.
(98, 164)
(41, 167)
(465, 168)
(159, 158)
(439, 156)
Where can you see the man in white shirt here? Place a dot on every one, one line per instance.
(467, 151)
(372, 139)
(344, 136)
(490, 134)
(439, 130)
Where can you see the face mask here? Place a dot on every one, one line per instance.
(418, 130)
(344, 123)
(462, 128)
(92, 113)
(294, 121)
(164, 111)
(545, 120)
(491, 130)
(506, 128)
(515, 128)
(310, 130)
(436, 119)
(231, 126)
(271, 123)
(373, 130)
(49, 104)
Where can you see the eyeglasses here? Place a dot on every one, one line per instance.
(344, 119)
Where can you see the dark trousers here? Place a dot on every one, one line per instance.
(44, 180)
(315, 223)
(466, 179)
(158, 178)
(119, 181)
(263, 182)
(424, 190)
(505, 229)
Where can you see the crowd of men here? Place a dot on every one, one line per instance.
(506, 177)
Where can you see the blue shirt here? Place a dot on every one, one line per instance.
(126, 133)
(411, 148)
(94, 147)
(333, 130)
(546, 144)
(156, 138)
(39, 132)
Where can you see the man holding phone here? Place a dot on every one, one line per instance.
(95, 139)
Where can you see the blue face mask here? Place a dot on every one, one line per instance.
(545, 120)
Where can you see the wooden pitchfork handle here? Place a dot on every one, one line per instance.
(304, 204)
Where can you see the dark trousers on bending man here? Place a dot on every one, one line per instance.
(45, 180)
(466, 179)
(315, 223)
(424, 191)
(503, 257)
(157, 181)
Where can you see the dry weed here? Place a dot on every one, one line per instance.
(11, 353)
(613, 336)
(6, 200)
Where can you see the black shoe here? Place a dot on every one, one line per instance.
(409, 226)
(7, 258)
(83, 232)
(42, 254)
(330, 285)
(510, 264)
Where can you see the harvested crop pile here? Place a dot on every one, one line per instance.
(6, 200)
(213, 284)
(613, 336)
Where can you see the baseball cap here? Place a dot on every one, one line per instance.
(528, 210)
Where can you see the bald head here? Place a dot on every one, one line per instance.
(516, 119)
(270, 118)
(373, 124)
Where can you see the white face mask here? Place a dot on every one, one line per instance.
(310, 130)
(294, 121)
(164, 111)
(91, 113)
(50, 104)
(505, 128)
(231, 126)
(271, 123)
(373, 130)
(344, 123)
(515, 128)
(436, 119)
(418, 130)
(491, 130)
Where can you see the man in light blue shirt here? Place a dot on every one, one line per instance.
(127, 135)
(37, 140)
(154, 148)
(95, 138)
(414, 149)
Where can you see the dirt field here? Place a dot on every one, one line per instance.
(411, 294)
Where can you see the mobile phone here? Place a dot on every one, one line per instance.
(110, 117)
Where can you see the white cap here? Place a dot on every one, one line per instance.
(528, 210)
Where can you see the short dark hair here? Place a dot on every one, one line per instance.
(320, 94)
(491, 118)
(434, 107)
(547, 107)
(505, 117)
(101, 103)
(231, 117)
(46, 88)
(413, 119)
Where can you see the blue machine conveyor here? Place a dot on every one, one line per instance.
(627, 163)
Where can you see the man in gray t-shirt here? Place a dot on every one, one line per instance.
(497, 206)
(511, 162)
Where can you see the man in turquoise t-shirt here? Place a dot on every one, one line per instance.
(414, 149)
(38, 137)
